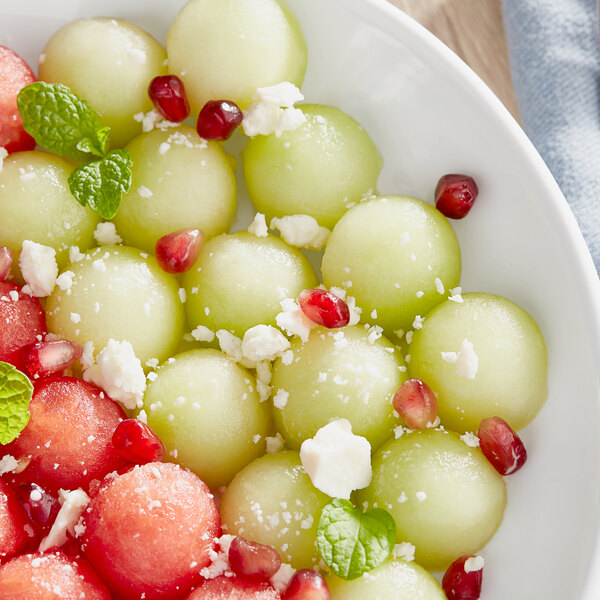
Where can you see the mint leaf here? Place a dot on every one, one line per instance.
(102, 183)
(15, 393)
(352, 542)
(61, 122)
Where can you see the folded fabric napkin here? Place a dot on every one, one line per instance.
(555, 63)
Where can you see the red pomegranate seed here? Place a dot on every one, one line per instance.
(137, 443)
(176, 252)
(46, 358)
(218, 119)
(6, 258)
(256, 562)
(40, 506)
(306, 584)
(168, 95)
(501, 445)
(324, 308)
(455, 194)
(462, 580)
(416, 404)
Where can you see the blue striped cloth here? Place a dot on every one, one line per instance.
(555, 63)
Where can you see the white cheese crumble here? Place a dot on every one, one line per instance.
(75, 317)
(475, 563)
(281, 579)
(418, 322)
(3, 155)
(456, 295)
(230, 344)
(404, 551)
(275, 443)
(421, 496)
(280, 398)
(87, 356)
(39, 268)
(293, 321)
(273, 110)
(106, 234)
(263, 342)
(336, 460)
(439, 286)
(65, 280)
(203, 334)
(219, 564)
(8, 464)
(73, 505)
(466, 359)
(144, 192)
(153, 119)
(75, 255)
(470, 439)
(119, 373)
(259, 226)
(302, 231)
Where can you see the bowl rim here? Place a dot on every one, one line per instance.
(389, 18)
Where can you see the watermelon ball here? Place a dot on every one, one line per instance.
(150, 531)
(13, 523)
(24, 318)
(49, 577)
(233, 587)
(69, 435)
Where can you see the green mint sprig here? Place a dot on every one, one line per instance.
(15, 394)
(101, 183)
(61, 122)
(351, 542)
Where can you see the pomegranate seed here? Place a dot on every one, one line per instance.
(176, 252)
(218, 119)
(40, 506)
(306, 584)
(455, 195)
(416, 404)
(256, 562)
(168, 95)
(324, 308)
(6, 258)
(137, 443)
(501, 445)
(46, 358)
(462, 580)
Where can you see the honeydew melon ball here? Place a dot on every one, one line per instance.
(343, 373)
(391, 250)
(240, 279)
(272, 501)
(120, 293)
(444, 496)
(393, 580)
(319, 169)
(225, 49)
(206, 408)
(510, 380)
(179, 181)
(36, 205)
(109, 63)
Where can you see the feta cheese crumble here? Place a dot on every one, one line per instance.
(470, 439)
(119, 373)
(302, 231)
(404, 551)
(263, 342)
(3, 155)
(203, 334)
(475, 563)
(293, 321)
(65, 280)
(273, 110)
(73, 505)
(259, 226)
(336, 460)
(39, 268)
(8, 464)
(466, 359)
(106, 234)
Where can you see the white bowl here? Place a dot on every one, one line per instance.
(429, 115)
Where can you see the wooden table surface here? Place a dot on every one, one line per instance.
(475, 31)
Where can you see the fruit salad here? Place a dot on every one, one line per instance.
(303, 404)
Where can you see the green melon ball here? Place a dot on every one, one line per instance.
(240, 279)
(445, 496)
(393, 580)
(121, 293)
(512, 363)
(206, 411)
(225, 49)
(109, 63)
(36, 205)
(342, 373)
(319, 169)
(179, 181)
(272, 501)
(389, 252)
